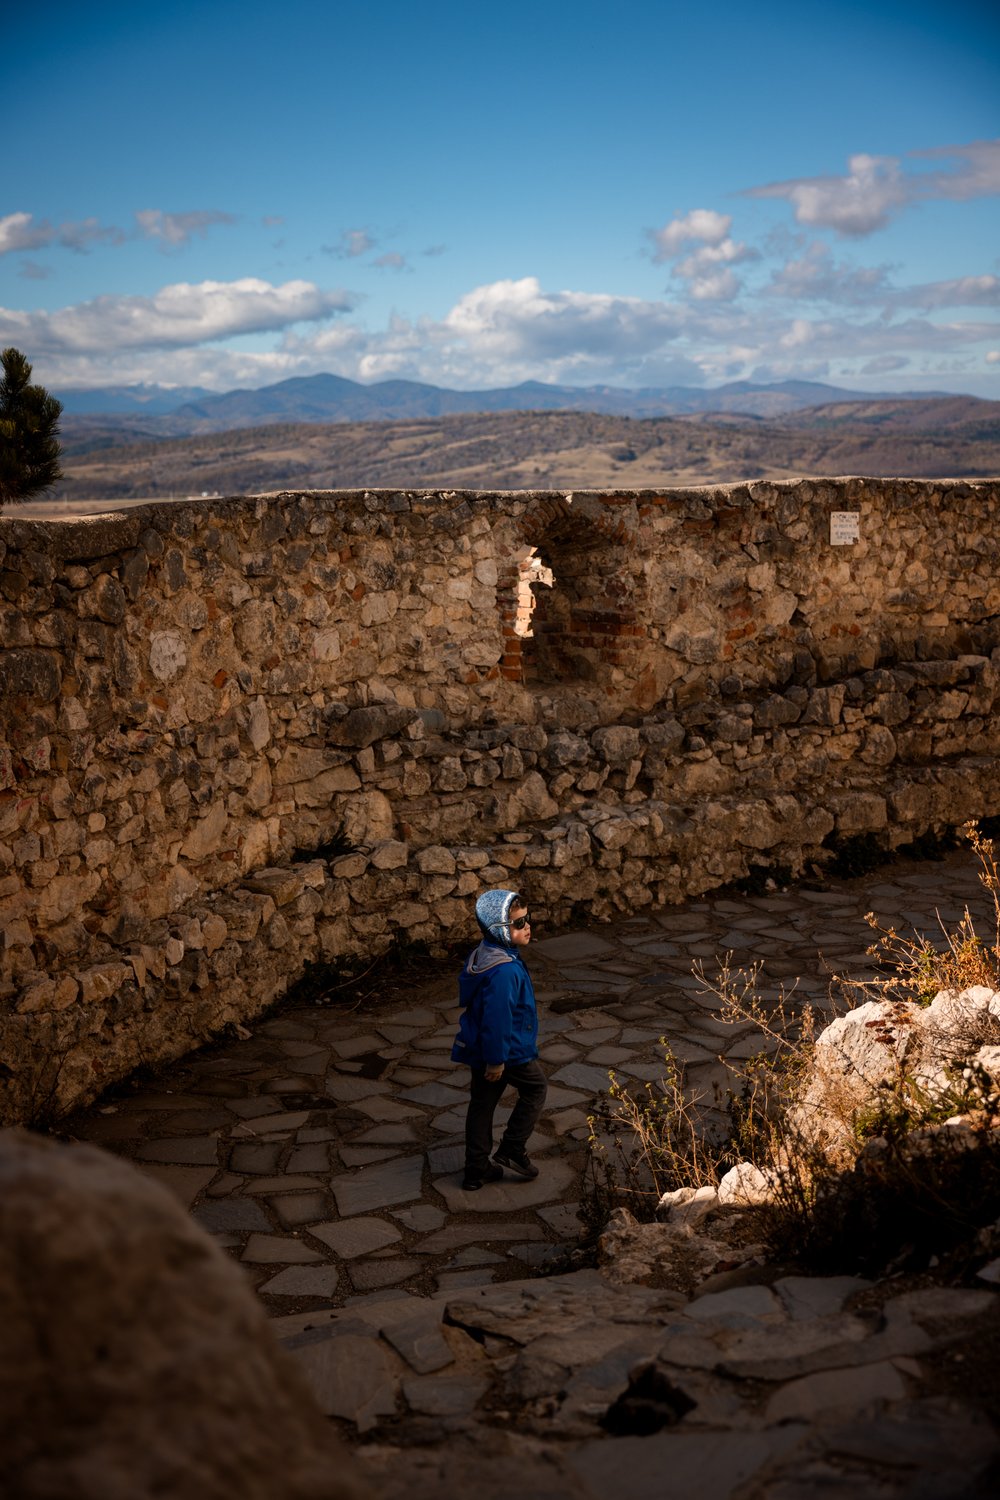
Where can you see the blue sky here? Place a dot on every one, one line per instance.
(228, 194)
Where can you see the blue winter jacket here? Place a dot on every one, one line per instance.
(499, 1020)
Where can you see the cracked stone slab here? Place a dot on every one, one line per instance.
(451, 1281)
(583, 1076)
(303, 1281)
(348, 1089)
(379, 1186)
(559, 1052)
(298, 1209)
(456, 1235)
(270, 1125)
(510, 1195)
(477, 1462)
(271, 1249)
(446, 1158)
(421, 1342)
(473, 1257)
(360, 1046)
(784, 1352)
(817, 1296)
(572, 947)
(444, 1395)
(711, 1464)
(400, 1134)
(232, 1216)
(424, 1218)
(185, 1151)
(737, 1307)
(945, 1446)
(525, 1310)
(560, 1098)
(373, 1275)
(609, 1056)
(564, 1219)
(833, 1395)
(348, 1238)
(184, 1182)
(439, 1095)
(258, 1157)
(377, 1108)
(353, 1377)
(292, 1183)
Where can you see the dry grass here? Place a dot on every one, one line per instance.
(866, 1177)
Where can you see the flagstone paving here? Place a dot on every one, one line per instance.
(333, 1141)
(324, 1152)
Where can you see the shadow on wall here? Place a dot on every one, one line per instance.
(574, 601)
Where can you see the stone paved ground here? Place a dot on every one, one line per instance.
(324, 1153)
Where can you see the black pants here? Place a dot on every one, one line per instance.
(529, 1080)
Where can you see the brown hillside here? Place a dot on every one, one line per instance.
(518, 450)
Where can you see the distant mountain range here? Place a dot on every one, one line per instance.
(154, 411)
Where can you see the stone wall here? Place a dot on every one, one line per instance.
(241, 735)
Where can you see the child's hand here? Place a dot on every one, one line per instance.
(495, 1073)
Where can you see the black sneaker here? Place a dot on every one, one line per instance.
(515, 1161)
(472, 1182)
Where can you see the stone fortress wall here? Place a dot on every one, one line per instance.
(238, 736)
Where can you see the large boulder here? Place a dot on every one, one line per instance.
(134, 1358)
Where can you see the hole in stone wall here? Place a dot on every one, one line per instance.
(559, 646)
(532, 573)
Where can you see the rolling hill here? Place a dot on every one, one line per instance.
(941, 437)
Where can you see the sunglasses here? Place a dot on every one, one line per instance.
(520, 923)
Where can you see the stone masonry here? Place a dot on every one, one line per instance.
(241, 735)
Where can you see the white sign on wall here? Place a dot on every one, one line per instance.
(845, 527)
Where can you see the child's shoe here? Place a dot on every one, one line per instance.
(515, 1161)
(473, 1181)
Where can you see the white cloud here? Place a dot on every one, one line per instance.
(177, 229)
(20, 232)
(993, 357)
(815, 276)
(976, 174)
(965, 291)
(496, 334)
(701, 225)
(517, 319)
(871, 193)
(353, 243)
(885, 364)
(182, 314)
(875, 189)
(708, 270)
(391, 261)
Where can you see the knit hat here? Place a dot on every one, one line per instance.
(493, 912)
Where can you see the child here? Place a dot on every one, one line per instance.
(498, 1039)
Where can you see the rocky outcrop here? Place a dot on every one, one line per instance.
(933, 1048)
(134, 1359)
(579, 1389)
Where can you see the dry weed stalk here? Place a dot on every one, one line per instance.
(650, 1142)
(916, 969)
